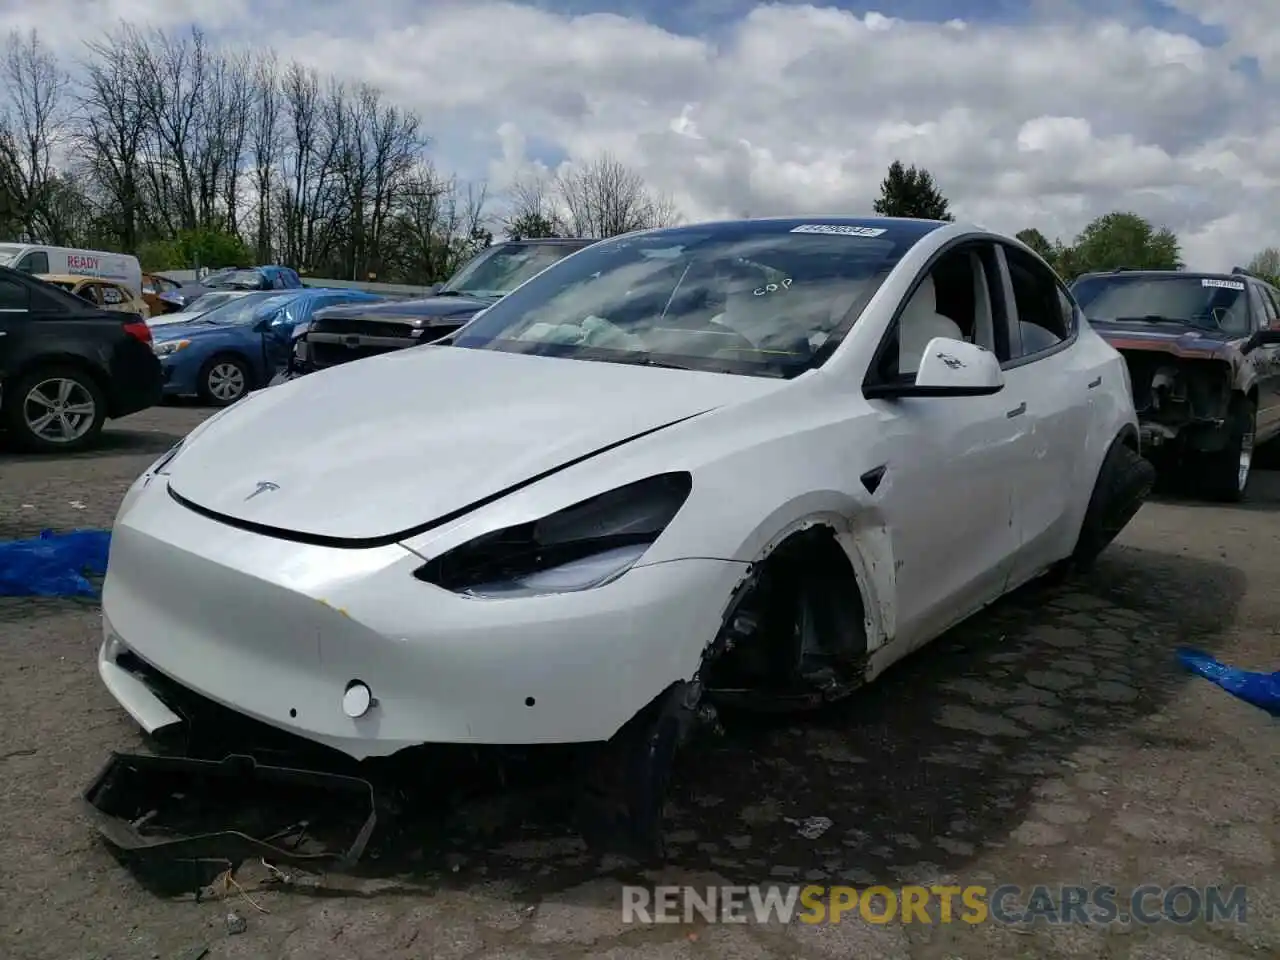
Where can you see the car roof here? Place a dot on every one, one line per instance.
(1188, 274)
(548, 241)
(904, 227)
(73, 278)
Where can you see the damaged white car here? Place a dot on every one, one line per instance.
(751, 462)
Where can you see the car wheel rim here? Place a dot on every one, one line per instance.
(1246, 460)
(59, 410)
(226, 381)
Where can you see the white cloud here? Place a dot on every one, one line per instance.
(798, 108)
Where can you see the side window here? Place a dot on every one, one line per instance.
(35, 262)
(111, 296)
(1272, 297)
(14, 297)
(959, 298)
(1044, 314)
(1264, 309)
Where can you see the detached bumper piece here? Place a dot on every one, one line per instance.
(152, 810)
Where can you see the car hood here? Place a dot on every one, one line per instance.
(189, 330)
(1183, 341)
(414, 312)
(372, 450)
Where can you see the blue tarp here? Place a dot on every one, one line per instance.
(53, 564)
(1260, 689)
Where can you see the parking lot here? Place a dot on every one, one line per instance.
(1052, 740)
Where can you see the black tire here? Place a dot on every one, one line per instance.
(1224, 475)
(21, 420)
(1122, 487)
(213, 380)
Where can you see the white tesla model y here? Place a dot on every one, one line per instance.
(752, 461)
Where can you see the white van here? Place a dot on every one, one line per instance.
(35, 258)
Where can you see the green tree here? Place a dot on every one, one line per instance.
(189, 249)
(1123, 239)
(911, 192)
(531, 225)
(1037, 241)
(1266, 264)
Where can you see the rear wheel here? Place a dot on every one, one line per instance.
(224, 380)
(1224, 475)
(54, 409)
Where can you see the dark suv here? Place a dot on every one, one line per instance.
(1203, 352)
(66, 365)
(350, 332)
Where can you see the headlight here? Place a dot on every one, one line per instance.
(581, 547)
(166, 347)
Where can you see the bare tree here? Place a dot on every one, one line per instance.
(1267, 264)
(113, 127)
(31, 131)
(531, 208)
(605, 198)
(437, 226)
(265, 123)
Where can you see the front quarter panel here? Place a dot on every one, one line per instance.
(761, 471)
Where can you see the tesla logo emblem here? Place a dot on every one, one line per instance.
(263, 487)
(950, 361)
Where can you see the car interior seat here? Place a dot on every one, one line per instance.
(919, 323)
(984, 328)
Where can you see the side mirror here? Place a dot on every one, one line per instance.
(1268, 337)
(435, 288)
(949, 368)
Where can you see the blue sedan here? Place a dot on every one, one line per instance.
(239, 345)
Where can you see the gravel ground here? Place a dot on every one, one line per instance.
(1052, 740)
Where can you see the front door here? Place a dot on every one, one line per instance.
(950, 465)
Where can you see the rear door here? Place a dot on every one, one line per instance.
(1054, 376)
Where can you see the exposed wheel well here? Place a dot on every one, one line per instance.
(793, 633)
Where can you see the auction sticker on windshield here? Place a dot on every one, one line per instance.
(842, 229)
(1224, 284)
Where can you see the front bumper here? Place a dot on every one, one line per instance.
(276, 630)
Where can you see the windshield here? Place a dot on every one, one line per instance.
(1208, 303)
(245, 311)
(237, 279)
(501, 268)
(766, 298)
(62, 284)
(8, 254)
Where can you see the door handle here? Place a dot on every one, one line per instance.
(1096, 383)
(1017, 411)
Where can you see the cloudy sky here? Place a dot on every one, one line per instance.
(1031, 113)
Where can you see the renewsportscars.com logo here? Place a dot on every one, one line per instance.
(1007, 904)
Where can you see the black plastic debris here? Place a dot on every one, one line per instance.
(156, 810)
